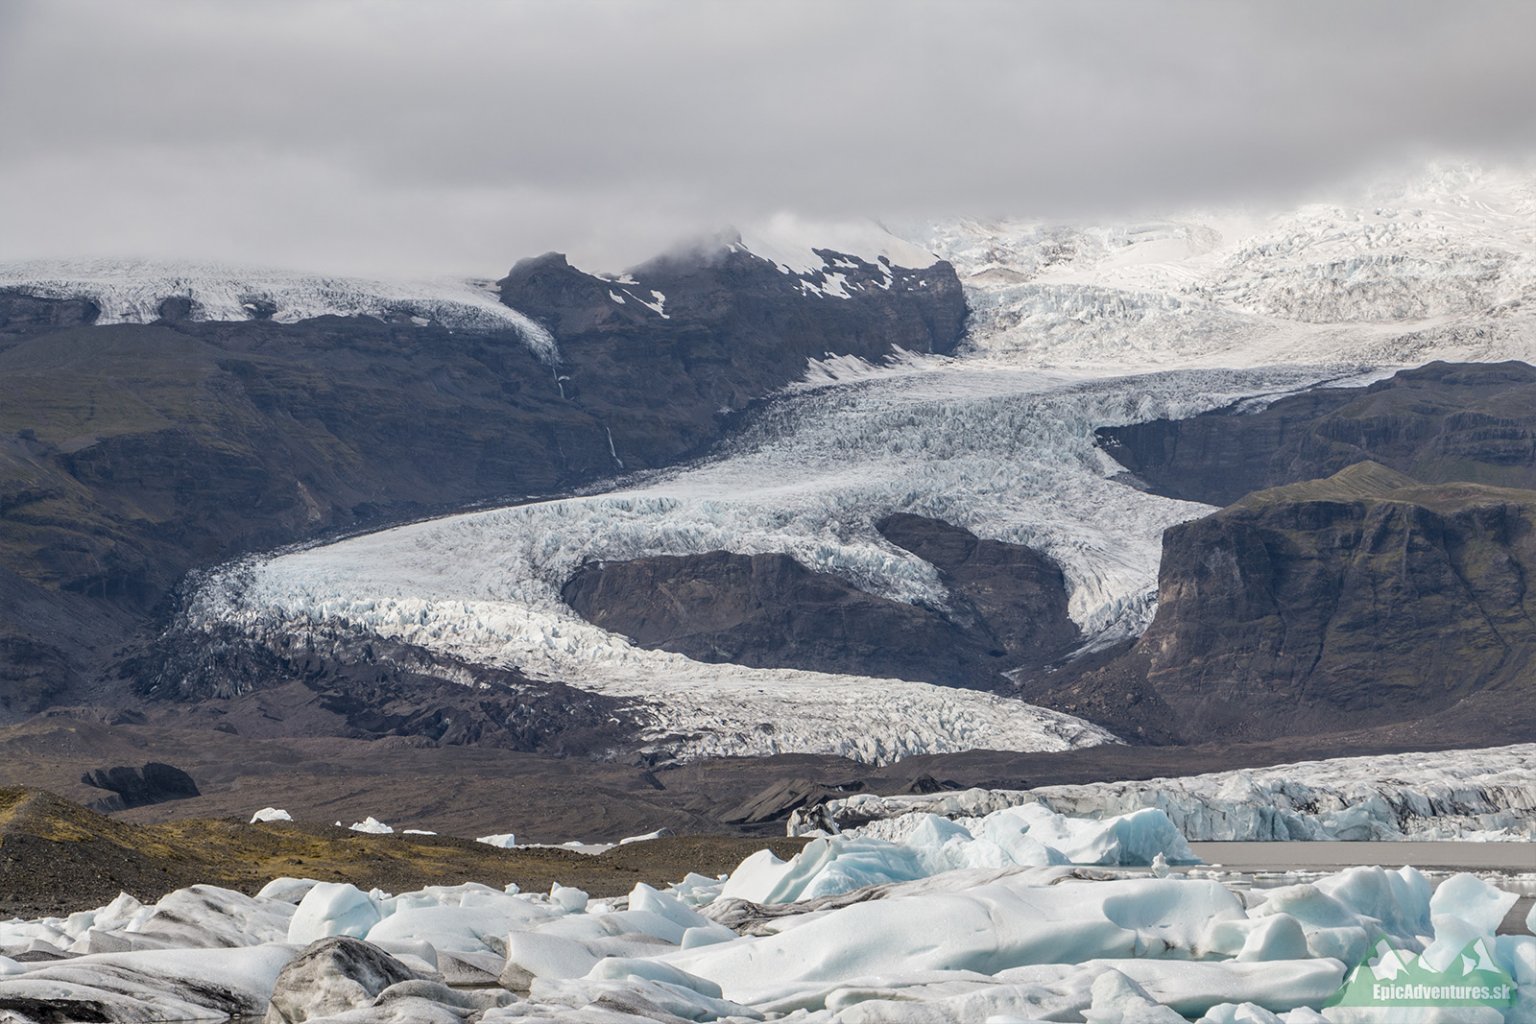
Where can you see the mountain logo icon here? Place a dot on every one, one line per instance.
(1395, 977)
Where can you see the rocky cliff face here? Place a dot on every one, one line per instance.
(678, 343)
(1008, 607)
(1361, 600)
(131, 453)
(1441, 422)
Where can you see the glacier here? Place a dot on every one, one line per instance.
(1072, 328)
(1487, 794)
(1006, 454)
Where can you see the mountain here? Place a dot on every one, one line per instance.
(752, 599)
(1435, 262)
(159, 419)
(674, 343)
(802, 495)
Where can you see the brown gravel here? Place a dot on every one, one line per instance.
(57, 857)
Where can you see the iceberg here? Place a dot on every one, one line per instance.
(1027, 836)
(947, 945)
(371, 826)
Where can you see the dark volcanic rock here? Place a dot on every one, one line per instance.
(369, 687)
(139, 787)
(1438, 423)
(1012, 594)
(1008, 607)
(781, 798)
(20, 312)
(769, 611)
(1364, 599)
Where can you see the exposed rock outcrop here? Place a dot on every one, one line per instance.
(139, 787)
(1438, 423)
(1008, 607)
(369, 687)
(1361, 600)
(1014, 594)
(685, 337)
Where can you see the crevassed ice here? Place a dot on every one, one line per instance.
(1006, 453)
(1487, 794)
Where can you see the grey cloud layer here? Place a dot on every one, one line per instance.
(455, 136)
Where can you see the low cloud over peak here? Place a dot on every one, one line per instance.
(374, 137)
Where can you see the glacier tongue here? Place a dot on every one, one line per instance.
(1006, 453)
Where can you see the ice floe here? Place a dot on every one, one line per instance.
(918, 941)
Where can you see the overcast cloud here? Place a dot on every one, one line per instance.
(456, 136)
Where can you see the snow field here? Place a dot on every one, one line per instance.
(1440, 263)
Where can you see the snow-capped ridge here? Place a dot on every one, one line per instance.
(804, 247)
(132, 291)
(1440, 262)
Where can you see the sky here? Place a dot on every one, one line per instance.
(456, 136)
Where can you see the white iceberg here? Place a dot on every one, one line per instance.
(371, 826)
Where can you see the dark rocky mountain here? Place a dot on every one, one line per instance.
(1008, 608)
(1473, 422)
(1361, 600)
(708, 331)
(133, 453)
